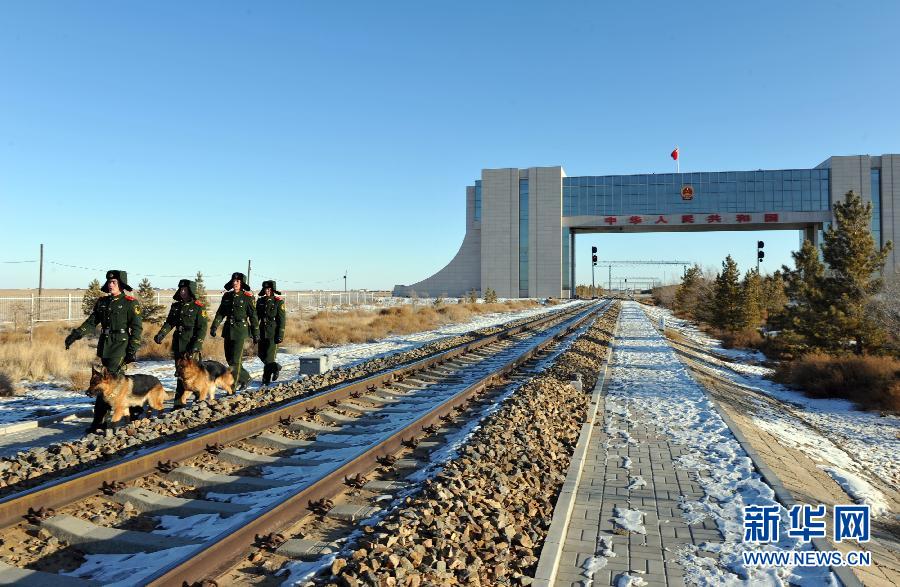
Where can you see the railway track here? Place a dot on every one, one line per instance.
(216, 492)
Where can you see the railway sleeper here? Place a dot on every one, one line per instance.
(305, 550)
(207, 481)
(237, 456)
(10, 575)
(157, 504)
(277, 441)
(93, 539)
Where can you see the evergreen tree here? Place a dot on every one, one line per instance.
(774, 296)
(727, 311)
(146, 297)
(90, 298)
(688, 295)
(806, 315)
(753, 299)
(201, 289)
(490, 296)
(854, 267)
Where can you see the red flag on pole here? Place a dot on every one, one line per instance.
(675, 154)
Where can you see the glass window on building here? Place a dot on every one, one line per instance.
(478, 199)
(876, 206)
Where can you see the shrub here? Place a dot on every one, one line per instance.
(7, 388)
(746, 338)
(870, 381)
(490, 296)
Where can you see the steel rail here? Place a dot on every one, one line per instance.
(64, 491)
(219, 553)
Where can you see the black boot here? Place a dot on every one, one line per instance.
(267, 374)
(100, 410)
(135, 413)
(179, 394)
(276, 371)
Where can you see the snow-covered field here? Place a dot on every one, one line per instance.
(49, 397)
(648, 381)
(858, 449)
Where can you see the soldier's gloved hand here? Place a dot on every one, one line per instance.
(278, 340)
(158, 338)
(129, 358)
(70, 340)
(212, 332)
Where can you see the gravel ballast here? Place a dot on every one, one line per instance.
(38, 465)
(483, 519)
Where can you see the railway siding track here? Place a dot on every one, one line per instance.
(140, 459)
(414, 395)
(40, 464)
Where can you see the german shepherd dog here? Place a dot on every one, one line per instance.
(203, 377)
(126, 391)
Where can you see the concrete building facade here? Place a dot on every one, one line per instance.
(521, 224)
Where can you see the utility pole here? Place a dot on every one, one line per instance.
(345, 280)
(248, 272)
(40, 281)
(593, 266)
(610, 278)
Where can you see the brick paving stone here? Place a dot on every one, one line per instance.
(604, 486)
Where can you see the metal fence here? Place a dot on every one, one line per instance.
(21, 311)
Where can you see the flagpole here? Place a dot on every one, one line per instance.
(677, 160)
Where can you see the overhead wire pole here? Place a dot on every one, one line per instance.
(610, 264)
(248, 271)
(41, 281)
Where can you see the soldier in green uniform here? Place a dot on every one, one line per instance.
(240, 319)
(187, 315)
(272, 317)
(119, 316)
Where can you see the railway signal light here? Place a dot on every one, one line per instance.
(594, 255)
(760, 254)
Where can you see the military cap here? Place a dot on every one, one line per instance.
(269, 283)
(122, 276)
(192, 289)
(243, 279)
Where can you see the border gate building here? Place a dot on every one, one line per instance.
(521, 223)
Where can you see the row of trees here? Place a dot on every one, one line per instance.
(146, 296)
(827, 302)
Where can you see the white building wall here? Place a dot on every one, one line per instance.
(500, 231)
(545, 232)
(463, 273)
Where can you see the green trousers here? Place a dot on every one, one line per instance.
(234, 354)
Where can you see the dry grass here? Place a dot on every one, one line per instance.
(742, 339)
(328, 328)
(7, 387)
(47, 358)
(872, 382)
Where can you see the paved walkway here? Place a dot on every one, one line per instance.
(664, 481)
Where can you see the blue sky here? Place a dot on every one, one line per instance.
(168, 137)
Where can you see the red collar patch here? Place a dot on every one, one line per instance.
(199, 303)
(249, 294)
(277, 298)
(129, 298)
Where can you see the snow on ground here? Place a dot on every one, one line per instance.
(52, 397)
(850, 443)
(131, 569)
(648, 381)
(43, 399)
